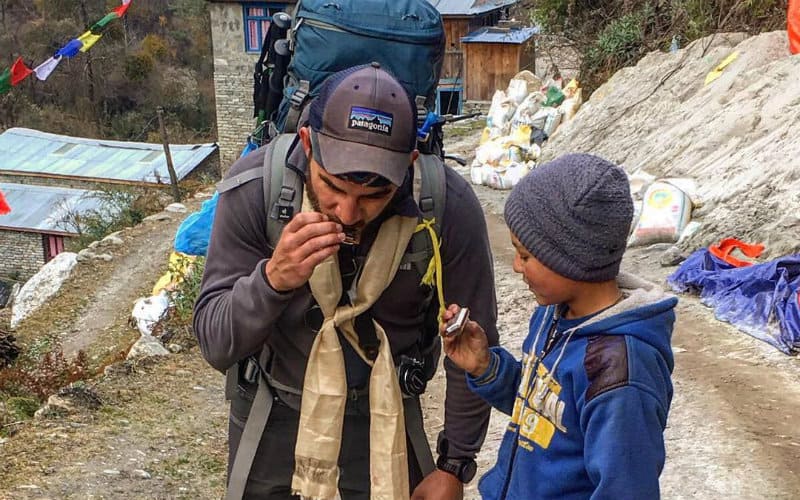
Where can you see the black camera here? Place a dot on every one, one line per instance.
(411, 375)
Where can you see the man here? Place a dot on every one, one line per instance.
(356, 155)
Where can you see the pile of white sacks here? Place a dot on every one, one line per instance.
(520, 119)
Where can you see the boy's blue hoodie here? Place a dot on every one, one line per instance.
(590, 423)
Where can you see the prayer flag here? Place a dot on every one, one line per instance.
(101, 24)
(88, 40)
(4, 208)
(5, 81)
(19, 71)
(71, 49)
(122, 9)
(46, 68)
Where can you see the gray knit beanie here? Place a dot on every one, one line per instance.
(573, 214)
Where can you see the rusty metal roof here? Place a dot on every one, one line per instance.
(27, 151)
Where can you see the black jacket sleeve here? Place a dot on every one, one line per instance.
(468, 281)
(236, 305)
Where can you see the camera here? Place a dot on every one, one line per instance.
(411, 375)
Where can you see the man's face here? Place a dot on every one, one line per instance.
(350, 204)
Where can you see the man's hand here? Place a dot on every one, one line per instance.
(439, 485)
(470, 349)
(308, 239)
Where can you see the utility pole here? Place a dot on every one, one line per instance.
(90, 71)
(173, 177)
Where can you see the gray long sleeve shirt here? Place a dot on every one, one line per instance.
(237, 311)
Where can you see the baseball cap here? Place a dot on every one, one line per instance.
(364, 121)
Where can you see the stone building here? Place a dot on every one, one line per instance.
(237, 31)
(36, 230)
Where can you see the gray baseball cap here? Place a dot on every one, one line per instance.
(364, 121)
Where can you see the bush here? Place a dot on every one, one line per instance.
(139, 66)
(119, 208)
(37, 377)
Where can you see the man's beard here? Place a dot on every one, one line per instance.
(352, 234)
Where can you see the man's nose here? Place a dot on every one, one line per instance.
(348, 212)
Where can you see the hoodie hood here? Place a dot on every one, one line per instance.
(646, 313)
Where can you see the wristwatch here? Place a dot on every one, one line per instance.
(463, 469)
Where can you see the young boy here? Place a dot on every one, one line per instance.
(589, 400)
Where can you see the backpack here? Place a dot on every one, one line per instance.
(405, 36)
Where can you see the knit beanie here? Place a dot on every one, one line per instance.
(573, 214)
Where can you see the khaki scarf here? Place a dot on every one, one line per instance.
(316, 473)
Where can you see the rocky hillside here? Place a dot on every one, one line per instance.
(736, 136)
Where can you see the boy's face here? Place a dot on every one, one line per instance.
(547, 286)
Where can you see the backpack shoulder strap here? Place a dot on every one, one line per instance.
(283, 187)
(430, 194)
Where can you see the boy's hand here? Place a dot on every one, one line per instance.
(470, 349)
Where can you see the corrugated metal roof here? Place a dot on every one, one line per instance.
(31, 151)
(500, 35)
(40, 208)
(468, 7)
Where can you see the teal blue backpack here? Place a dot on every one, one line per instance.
(326, 36)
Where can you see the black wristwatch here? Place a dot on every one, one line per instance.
(463, 469)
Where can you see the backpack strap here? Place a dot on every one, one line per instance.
(283, 187)
(296, 101)
(430, 194)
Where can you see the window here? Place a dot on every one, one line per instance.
(257, 18)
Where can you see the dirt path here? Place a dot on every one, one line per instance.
(161, 430)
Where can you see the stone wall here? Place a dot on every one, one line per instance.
(21, 254)
(233, 80)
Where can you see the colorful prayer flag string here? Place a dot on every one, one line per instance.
(19, 71)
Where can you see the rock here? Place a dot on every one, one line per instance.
(177, 208)
(56, 405)
(672, 257)
(175, 348)
(202, 196)
(141, 474)
(111, 472)
(42, 286)
(111, 241)
(157, 217)
(104, 257)
(86, 254)
(93, 245)
(146, 347)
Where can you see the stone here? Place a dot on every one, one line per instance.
(104, 257)
(42, 286)
(56, 405)
(85, 255)
(175, 348)
(177, 208)
(157, 217)
(147, 346)
(111, 241)
(672, 257)
(141, 474)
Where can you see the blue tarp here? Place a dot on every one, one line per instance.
(761, 300)
(195, 232)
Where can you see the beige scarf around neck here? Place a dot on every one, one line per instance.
(316, 473)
